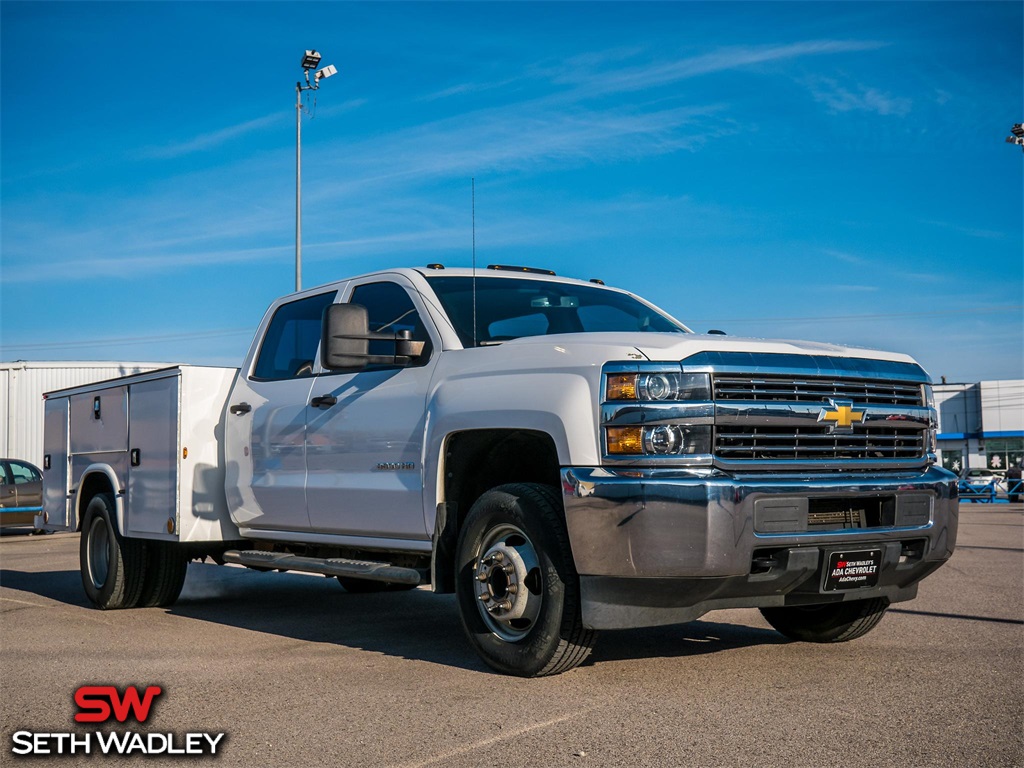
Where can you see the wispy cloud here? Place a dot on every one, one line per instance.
(463, 89)
(975, 232)
(121, 264)
(843, 256)
(860, 98)
(726, 58)
(846, 288)
(210, 140)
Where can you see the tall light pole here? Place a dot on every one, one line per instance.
(310, 61)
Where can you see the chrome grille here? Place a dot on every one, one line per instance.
(816, 443)
(808, 389)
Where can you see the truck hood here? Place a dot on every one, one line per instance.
(675, 347)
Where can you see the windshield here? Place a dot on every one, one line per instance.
(508, 308)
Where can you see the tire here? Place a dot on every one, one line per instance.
(833, 623)
(516, 583)
(165, 574)
(112, 566)
(365, 586)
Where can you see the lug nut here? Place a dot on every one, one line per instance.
(498, 556)
(484, 596)
(481, 576)
(509, 568)
(512, 589)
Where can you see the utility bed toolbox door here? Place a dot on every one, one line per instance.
(55, 463)
(154, 463)
(100, 420)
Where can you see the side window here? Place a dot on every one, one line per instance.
(390, 310)
(4, 480)
(290, 343)
(23, 473)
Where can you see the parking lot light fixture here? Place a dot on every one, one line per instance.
(311, 60)
(1018, 136)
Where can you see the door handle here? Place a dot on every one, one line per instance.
(241, 408)
(324, 401)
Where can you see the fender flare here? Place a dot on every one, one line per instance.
(111, 477)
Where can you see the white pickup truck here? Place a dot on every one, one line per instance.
(562, 455)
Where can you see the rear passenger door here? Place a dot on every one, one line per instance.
(364, 451)
(266, 420)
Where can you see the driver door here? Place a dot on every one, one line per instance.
(364, 450)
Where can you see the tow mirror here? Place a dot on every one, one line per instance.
(345, 338)
(343, 341)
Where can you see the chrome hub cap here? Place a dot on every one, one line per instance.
(509, 586)
(99, 552)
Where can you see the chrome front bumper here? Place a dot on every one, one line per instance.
(664, 546)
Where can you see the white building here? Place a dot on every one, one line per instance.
(981, 425)
(22, 385)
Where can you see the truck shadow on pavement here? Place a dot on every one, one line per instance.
(415, 625)
(61, 586)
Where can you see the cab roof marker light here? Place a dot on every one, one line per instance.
(531, 270)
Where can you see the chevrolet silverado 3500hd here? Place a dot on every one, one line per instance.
(563, 456)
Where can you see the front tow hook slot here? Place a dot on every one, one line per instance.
(763, 564)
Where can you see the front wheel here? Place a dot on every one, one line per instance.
(112, 566)
(832, 623)
(517, 587)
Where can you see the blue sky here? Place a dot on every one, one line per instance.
(823, 171)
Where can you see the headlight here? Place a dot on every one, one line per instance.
(660, 440)
(658, 386)
(656, 414)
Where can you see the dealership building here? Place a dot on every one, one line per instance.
(981, 425)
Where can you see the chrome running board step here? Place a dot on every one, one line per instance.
(328, 566)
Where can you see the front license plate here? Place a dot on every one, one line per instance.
(852, 570)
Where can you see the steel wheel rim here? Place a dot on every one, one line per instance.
(99, 552)
(508, 583)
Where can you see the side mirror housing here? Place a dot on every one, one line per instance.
(345, 338)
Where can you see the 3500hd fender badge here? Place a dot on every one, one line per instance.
(396, 466)
(103, 703)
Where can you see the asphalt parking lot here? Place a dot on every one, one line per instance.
(298, 672)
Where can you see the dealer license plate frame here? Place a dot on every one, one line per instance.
(847, 577)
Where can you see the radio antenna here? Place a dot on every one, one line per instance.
(473, 197)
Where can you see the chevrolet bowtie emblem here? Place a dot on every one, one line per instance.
(840, 417)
